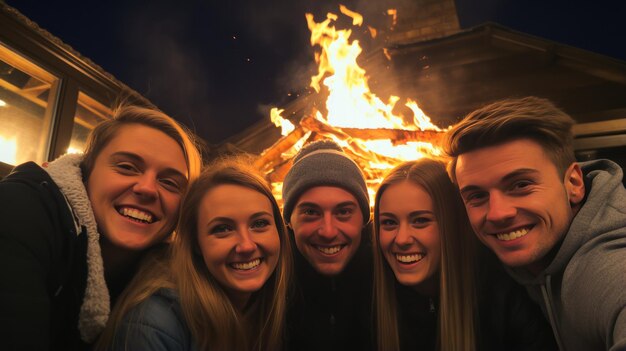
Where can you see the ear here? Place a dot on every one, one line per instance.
(574, 184)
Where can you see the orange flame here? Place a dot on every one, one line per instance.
(278, 120)
(394, 16)
(352, 107)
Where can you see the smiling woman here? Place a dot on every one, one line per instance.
(73, 231)
(222, 286)
(433, 285)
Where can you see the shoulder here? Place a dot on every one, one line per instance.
(596, 273)
(156, 323)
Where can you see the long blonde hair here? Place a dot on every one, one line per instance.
(215, 324)
(457, 290)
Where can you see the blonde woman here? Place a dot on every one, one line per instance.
(222, 286)
(434, 290)
(74, 229)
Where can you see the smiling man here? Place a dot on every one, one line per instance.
(326, 207)
(557, 225)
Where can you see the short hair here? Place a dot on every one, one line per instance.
(506, 120)
(124, 115)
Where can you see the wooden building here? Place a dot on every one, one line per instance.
(50, 95)
(451, 72)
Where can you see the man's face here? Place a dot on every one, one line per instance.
(327, 223)
(516, 201)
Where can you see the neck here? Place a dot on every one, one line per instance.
(429, 287)
(239, 299)
(119, 263)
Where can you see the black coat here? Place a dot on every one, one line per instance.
(332, 313)
(43, 268)
(507, 318)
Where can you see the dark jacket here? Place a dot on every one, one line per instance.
(507, 318)
(53, 294)
(332, 313)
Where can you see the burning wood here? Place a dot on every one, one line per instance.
(397, 136)
(359, 121)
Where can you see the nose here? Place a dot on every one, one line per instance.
(146, 186)
(245, 245)
(328, 230)
(403, 236)
(501, 209)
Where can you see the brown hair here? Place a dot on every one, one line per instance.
(457, 291)
(530, 117)
(124, 115)
(214, 322)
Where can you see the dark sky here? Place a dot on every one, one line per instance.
(219, 66)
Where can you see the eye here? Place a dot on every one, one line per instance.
(171, 185)
(521, 185)
(310, 212)
(221, 229)
(421, 221)
(475, 198)
(344, 213)
(260, 224)
(388, 224)
(126, 168)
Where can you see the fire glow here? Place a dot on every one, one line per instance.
(359, 121)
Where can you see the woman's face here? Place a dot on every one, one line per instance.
(136, 185)
(238, 238)
(409, 236)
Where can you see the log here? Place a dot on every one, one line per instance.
(272, 155)
(396, 136)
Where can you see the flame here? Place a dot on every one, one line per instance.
(278, 120)
(357, 19)
(8, 150)
(352, 108)
(373, 31)
(394, 16)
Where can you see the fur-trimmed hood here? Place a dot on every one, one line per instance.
(96, 305)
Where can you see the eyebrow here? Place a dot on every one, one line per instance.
(230, 220)
(313, 204)
(414, 213)
(516, 173)
(139, 159)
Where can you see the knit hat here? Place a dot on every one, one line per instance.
(323, 163)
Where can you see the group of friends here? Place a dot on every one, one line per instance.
(506, 243)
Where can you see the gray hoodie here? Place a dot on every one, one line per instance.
(583, 290)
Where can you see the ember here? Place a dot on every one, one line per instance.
(365, 126)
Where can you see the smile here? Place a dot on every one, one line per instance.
(514, 234)
(135, 214)
(330, 250)
(409, 258)
(246, 266)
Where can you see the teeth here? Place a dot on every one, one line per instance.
(136, 214)
(244, 266)
(409, 258)
(329, 250)
(512, 235)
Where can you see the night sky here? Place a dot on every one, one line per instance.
(219, 67)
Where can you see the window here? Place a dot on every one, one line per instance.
(27, 101)
(89, 113)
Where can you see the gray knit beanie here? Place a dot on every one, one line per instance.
(323, 163)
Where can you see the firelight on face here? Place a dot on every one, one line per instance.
(518, 204)
(238, 238)
(409, 236)
(327, 223)
(136, 185)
